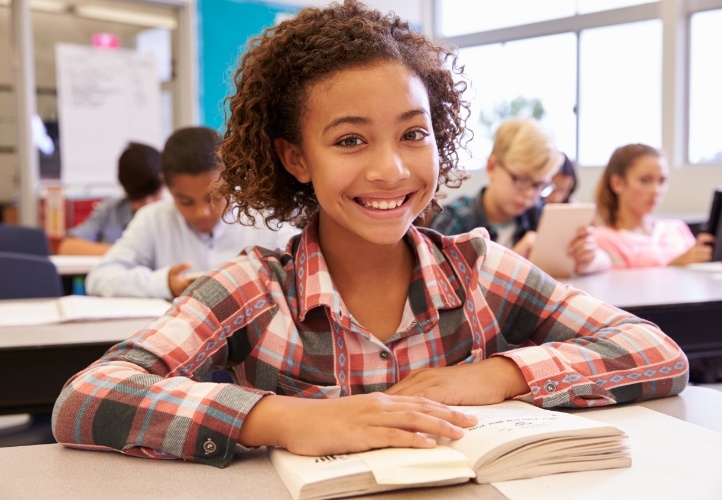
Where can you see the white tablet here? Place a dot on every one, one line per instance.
(557, 228)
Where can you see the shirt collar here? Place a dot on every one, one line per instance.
(315, 287)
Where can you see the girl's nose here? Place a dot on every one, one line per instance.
(387, 165)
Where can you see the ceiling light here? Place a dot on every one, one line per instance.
(125, 16)
(49, 6)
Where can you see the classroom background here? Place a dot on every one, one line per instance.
(597, 73)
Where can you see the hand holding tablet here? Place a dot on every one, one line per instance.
(558, 226)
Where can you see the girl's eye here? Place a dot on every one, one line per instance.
(350, 141)
(415, 135)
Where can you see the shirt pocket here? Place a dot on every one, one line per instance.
(289, 386)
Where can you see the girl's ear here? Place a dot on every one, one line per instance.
(292, 160)
(616, 183)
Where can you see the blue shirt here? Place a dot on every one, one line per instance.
(106, 223)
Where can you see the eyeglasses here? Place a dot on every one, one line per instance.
(542, 188)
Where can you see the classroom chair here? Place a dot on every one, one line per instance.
(23, 239)
(28, 276)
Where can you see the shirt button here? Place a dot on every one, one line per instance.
(209, 447)
(550, 387)
(384, 355)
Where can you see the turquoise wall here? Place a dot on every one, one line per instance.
(224, 28)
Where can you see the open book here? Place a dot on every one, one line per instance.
(512, 440)
(78, 308)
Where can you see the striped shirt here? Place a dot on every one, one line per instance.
(277, 324)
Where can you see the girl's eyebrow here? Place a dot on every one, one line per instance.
(412, 114)
(360, 120)
(354, 120)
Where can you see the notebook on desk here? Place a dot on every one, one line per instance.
(78, 308)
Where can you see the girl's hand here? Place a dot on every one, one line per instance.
(700, 252)
(583, 249)
(350, 424)
(485, 382)
(177, 281)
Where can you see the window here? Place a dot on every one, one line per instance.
(620, 89)
(505, 81)
(607, 72)
(458, 17)
(705, 99)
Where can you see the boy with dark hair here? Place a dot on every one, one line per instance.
(139, 175)
(168, 242)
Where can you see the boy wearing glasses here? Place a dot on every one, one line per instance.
(519, 171)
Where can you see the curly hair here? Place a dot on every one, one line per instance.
(272, 85)
(619, 164)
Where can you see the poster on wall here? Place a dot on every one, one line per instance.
(106, 98)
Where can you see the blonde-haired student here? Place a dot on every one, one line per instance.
(631, 188)
(365, 328)
(520, 168)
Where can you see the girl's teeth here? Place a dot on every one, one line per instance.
(384, 204)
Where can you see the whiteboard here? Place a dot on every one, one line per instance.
(106, 98)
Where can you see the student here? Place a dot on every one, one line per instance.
(168, 240)
(360, 333)
(629, 191)
(565, 183)
(520, 168)
(139, 175)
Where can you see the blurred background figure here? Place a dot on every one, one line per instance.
(565, 183)
(139, 175)
(520, 168)
(630, 190)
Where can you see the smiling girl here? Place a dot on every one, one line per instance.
(361, 332)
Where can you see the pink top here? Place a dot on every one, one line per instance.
(670, 238)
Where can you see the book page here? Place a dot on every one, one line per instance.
(417, 465)
(32, 312)
(82, 307)
(506, 426)
(671, 458)
(315, 469)
(336, 476)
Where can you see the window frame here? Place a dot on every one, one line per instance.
(675, 16)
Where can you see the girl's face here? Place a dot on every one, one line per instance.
(563, 185)
(642, 188)
(369, 150)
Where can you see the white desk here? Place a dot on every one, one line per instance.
(652, 286)
(69, 265)
(686, 304)
(44, 471)
(35, 362)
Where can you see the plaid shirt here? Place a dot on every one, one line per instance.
(278, 325)
(467, 213)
